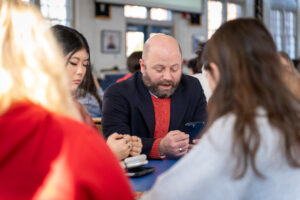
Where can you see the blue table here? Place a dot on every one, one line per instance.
(144, 183)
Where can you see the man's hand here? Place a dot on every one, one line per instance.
(120, 145)
(137, 145)
(194, 142)
(175, 143)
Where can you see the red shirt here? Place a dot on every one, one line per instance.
(48, 156)
(162, 123)
(127, 76)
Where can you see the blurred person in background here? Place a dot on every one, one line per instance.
(251, 144)
(41, 133)
(133, 65)
(77, 59)
(195, 65)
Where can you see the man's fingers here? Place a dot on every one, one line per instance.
(195, 141)
(180, 152)
(180, 137)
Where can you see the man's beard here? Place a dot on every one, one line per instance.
(154, 87)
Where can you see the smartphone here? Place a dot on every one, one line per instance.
(193, 129)
(139, 171)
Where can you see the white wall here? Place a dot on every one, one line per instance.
(183, 32)
(91, 27)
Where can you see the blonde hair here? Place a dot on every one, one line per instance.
(31, 63)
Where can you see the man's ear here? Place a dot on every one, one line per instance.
(142, 65)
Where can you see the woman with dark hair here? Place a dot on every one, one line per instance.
(251, 144)
(72, 43)
(77, 57)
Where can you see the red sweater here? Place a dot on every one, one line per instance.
(162, 123)
(48, 156)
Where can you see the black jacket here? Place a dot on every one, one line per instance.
(128, 108)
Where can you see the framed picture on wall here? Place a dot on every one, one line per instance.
(110, 41)
(196, 40)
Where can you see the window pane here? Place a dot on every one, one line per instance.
(276, 27)
(135, 12)
(289, 21)
(290, 33)
(160, 29)
(56, 11)
(134, 42)
(214, 16)
(233, 11)
(160, 14)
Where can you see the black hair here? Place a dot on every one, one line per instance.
(72, 41)
(193, 65)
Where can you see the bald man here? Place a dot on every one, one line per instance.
(155, 104)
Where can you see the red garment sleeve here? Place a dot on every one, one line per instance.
(106, 179)
(154, 153)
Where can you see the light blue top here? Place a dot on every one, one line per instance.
(91, 104)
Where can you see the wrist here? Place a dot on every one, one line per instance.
(161, 149)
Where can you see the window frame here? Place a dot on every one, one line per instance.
(148, 24)
(69, 17)
(241, 3)
(283, 32)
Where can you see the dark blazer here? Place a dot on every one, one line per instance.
(128, 108)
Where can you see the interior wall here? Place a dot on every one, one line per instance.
(184, 31)
(91, 27)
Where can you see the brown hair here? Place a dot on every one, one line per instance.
(250, 77)
(286, 57)
(133, 61)
(290, 75)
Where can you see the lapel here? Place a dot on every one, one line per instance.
(145, 105)
(178, 107)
